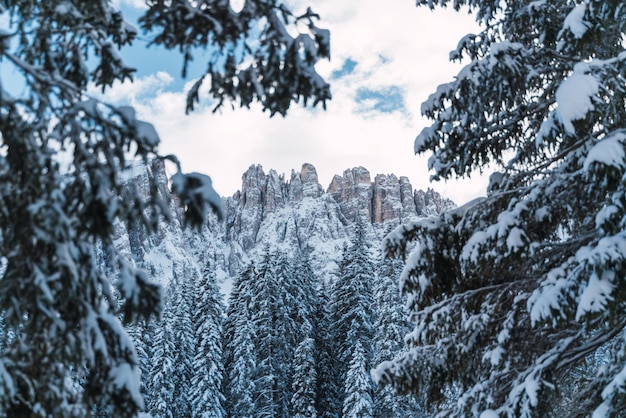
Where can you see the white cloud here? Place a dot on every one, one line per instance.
(148, 87)
(135, 4)
(393, 43)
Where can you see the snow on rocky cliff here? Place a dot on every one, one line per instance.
(294, 213)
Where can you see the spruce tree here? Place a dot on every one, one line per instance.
(352, 301)
(304, 383)
(184, 339)
(358, 401)
(352, 304)
(391, 326)
(511, 293)
(275, 330)
(208, 368)
(5, 337)
(241, 387)
(239, 348)
(329, 386)
(142, 334)
(162, 382)
(301, 290)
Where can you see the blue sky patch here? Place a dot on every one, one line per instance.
(346, 69)
(148, 60)
(386, 100)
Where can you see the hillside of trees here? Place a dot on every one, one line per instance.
(515, 301)
(283, 344)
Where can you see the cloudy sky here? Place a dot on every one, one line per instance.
(387, 57)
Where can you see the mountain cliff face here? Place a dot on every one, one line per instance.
(289, 214)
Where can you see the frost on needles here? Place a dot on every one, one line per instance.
(518, 300)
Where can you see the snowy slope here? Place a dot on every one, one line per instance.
(290, 214)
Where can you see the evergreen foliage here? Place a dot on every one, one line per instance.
(257, 58)
(303, 298)
(304, 382)
(327, 364)
(142, 335)
(162, 376)
(352, 307)
(512, 293)
(58, 206)
(241, 386)
(391, 326)
(184, 372)
(274, 330)
(352, 302)
(208, 370)
(184, 340)
(358, 385)
(270, 353)
(239, 350)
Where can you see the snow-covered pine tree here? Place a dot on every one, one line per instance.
(390, 328)
(326, 347)
(512, 292)
(142, 335)
(54, 295)
(162, 376)
(5, 337)
(304, 382)
(358, 401)
(305, 303)
(182, 288)
(239, 348)
(208, 368)
(273, 67)
(275, 330)
(3, 333)
(352, 303)
(301, 288)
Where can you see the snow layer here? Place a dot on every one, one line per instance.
(616, 386)
(127, 377)
(575, 23)
(574, 99)
(596, 294)
(547, 299)
(494, 356)
(489, 413)
(609, 152)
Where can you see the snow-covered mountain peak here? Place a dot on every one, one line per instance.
(286, 214)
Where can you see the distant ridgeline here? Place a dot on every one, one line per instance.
(311, 306)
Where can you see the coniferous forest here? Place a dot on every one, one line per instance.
(280, 308)
(285, 343)
(509, 306)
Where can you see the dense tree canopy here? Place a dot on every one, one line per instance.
(62, 159)
(511, 295)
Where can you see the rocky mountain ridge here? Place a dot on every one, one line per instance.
(385, 199)
(285, 214)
